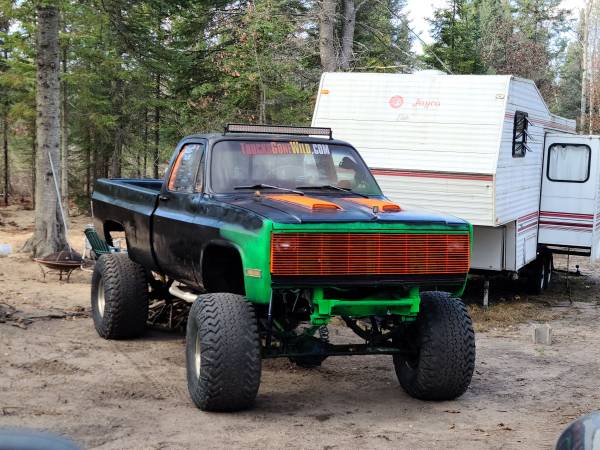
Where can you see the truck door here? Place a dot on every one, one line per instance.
(569, 190)
(175, 235)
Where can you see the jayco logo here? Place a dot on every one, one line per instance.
(426, 103)
(396, 101)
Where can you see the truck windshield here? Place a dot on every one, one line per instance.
(289, 165)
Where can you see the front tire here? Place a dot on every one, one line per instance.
(223, 357)
(444, 361)
(119, 297)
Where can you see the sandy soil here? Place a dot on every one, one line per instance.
(57, 374)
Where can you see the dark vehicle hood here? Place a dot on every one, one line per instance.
(289, 213)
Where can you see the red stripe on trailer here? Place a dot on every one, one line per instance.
(527, 216)
(424, 174)
(527, 227)
(567, 224)
(561, 228)
(566, 215)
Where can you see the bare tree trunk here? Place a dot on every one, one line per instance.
(144, 171)
(64, 136)
(138, 162)
(348, 34)
(33, 159)
(452, 30)
(4, 26)
(49, 235)
(591, 63)
(94, 164)
(88, 171)
(590, 89)
(326, 41)
(584, 63)
(157, 127)
(5, 152)
(115, 167)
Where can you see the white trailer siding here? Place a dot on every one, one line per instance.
(413, 189)
(518, 180)
(431, 141)
(445, 143)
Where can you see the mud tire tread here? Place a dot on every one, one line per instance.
(446, 350)
(230, 352)
(126, 297)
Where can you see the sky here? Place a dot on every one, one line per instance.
(420, 10)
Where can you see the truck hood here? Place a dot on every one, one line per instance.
(296, 209)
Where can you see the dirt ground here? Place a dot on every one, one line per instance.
(57, 374)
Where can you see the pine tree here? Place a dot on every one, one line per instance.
(455, 30)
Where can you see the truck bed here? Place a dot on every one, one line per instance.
(128, 204)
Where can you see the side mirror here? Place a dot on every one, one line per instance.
(583, 434)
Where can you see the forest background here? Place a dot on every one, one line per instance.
(136, 76)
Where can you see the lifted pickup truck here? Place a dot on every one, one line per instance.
(272, 232)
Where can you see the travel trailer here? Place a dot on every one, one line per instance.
(484, 148)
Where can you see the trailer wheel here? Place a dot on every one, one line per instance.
(549, 268)
(119, 297)
(536, 276)
(442, 365)
(223, 358)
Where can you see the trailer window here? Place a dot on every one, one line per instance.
(519, 143)
(184, 170)
(569, 163)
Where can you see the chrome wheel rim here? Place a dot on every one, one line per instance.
(197, 356)
(101, 300)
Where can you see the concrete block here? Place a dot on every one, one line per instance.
(542, 334)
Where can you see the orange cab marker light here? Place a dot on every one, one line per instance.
(173, 173)
(324, 91)
(314, 204)
(381, 205)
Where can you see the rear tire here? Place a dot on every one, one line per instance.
(536, 276)
(549, 264)
(443, 365)
(223, 354)
(119, 297)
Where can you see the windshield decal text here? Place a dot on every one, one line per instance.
(283, 148)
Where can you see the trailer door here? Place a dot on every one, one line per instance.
(569, 191)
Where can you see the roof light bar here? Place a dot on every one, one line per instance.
(278, 129)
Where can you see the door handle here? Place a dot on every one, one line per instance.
(164, 198)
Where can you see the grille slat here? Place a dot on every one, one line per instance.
(301, 254)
